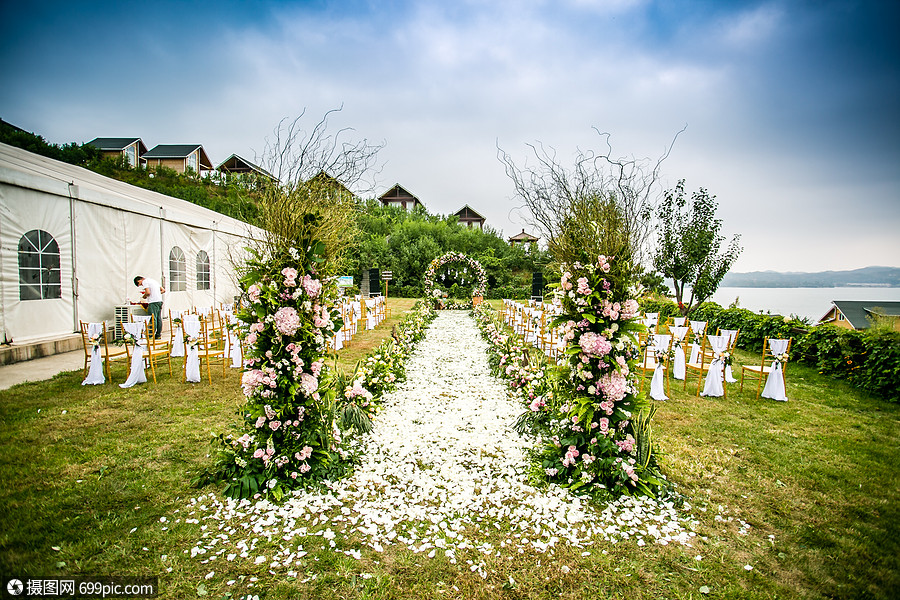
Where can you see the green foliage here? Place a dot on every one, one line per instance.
(689, 243)
(72, 153)
(405, 243)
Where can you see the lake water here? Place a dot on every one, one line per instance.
(811, 303)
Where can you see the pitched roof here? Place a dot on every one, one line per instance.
(236, 164)
(179, 151)
(859, 311)
(398, 193)
(324, 178)
(523, 237)
(118, 144)
(469, 214)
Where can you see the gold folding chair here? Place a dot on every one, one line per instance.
(157, 349)
(212, 348)
(761, 371)
(122, 353)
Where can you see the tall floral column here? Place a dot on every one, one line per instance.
(288, 432)
(592, 445)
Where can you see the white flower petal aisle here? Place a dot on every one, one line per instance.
(443, 473)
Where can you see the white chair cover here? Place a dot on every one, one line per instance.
(657, 384)
(232, 343)
(136, 375)
(651, 320)
(95, 373)
(178, 341)
(714, 384)
(371, 314)
(234, 349)
(731, 333)
(337, 342)
(678, 368)
(192, 360)
(679, 321)
(774, 388)
(696, 328)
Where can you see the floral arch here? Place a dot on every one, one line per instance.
(467, 262)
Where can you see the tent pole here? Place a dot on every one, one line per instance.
(73, 274)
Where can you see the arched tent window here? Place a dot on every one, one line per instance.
(39, 271)
(202, 270)
(177, 270)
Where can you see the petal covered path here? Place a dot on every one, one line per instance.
(442, 472)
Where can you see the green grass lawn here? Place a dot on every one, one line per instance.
(806, 492)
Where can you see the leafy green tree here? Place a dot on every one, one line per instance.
(689, 245)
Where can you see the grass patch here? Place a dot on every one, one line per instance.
(805, 492)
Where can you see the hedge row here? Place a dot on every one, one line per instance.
(869, 359)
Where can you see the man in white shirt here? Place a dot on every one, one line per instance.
(152, 293)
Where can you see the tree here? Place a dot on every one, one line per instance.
(602, 205)
(689, 244)
(296, 155)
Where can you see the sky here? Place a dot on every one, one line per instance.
(790, 109)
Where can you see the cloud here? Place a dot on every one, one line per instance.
(792, 110)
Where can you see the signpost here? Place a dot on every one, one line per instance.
(385, 277)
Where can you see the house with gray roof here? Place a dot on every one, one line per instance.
(522, 238)
(235, 165)
(860, 314)
(398, 196)
(468, 217)
(132, 148)
(179, 157)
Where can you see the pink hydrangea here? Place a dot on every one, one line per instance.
(630, 309)
(312, 286)
(594, 344)
(287, 320)
(253, 293)
(309, 383)
(290, 276)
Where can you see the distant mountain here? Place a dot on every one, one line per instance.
(865, 277)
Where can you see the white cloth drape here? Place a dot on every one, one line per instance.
(678, 335)
(657, 384)
(232, 342)
(178, 341)
(697, 329)
(95, 374)
(651, 319)
(371, 315)
(731, 333)
(774, 388)
(192, 360)
(136, 375)
(679, 321)
(714, 385)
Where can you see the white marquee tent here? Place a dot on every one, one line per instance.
(72, 241)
